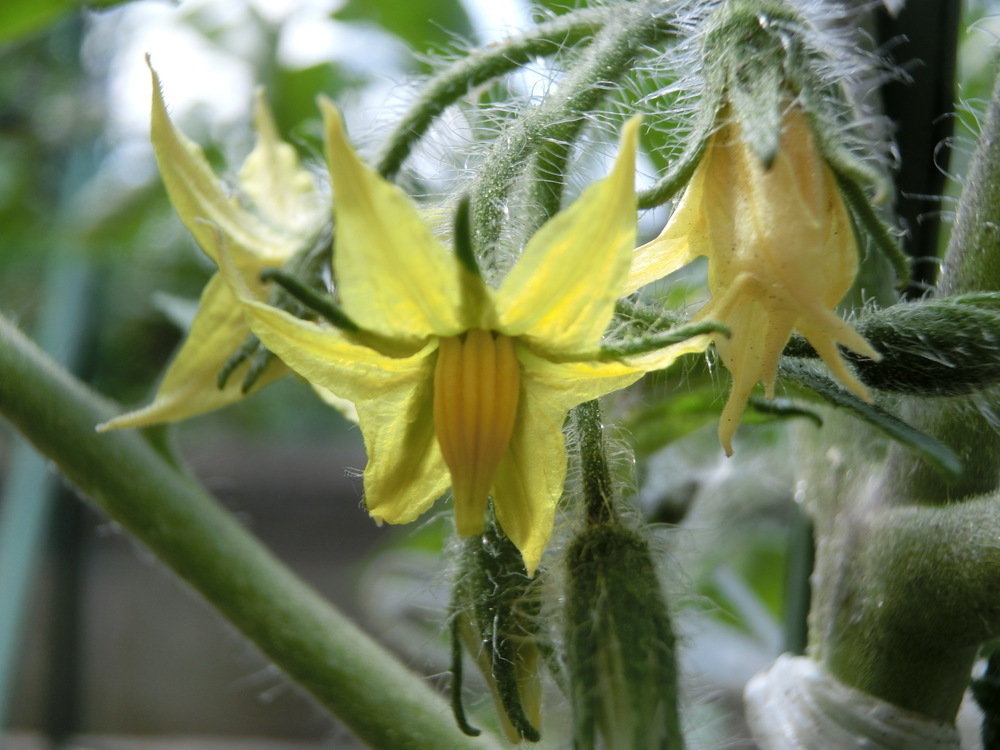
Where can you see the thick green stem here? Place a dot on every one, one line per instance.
(477, 68)
(542, 136)
(346, 671)
(908, 573)
(920, 591)
(971, 264)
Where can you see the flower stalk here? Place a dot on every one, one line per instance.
(163, 507)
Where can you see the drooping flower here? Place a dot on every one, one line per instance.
(286, 211)
(781, 250)
(457, 384)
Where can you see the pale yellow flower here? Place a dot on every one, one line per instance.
(457, 384)
(781, 251)
(279, 210)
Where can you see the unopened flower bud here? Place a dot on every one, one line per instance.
(619, 644)
(496, 610)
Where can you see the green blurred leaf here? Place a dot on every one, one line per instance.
(19, 18)
(659, 424)
(432, 23)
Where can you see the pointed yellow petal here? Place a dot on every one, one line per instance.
(189, 387)
(394, 400)
(272, 177)
(529, 481)
(199, 198)
(686, 235)
(563, 289)
(392, 275)
(405, 472)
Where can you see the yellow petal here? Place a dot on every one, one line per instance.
(189, 387)
(529, 480)
(392, 275)
(272, 177)
(199, 198)
(563, 289)
(687, 233)
(346, 408)
(394, 400)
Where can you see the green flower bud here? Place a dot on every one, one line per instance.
(496, 610)
(619, 644)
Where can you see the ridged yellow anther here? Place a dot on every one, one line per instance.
(477, 382)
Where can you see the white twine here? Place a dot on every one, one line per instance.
(796, 705)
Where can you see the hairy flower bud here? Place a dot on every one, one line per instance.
(620, 644)
(496, 609)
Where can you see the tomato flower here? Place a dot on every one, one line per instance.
(781, 254)
(456, 383)
(286, 211)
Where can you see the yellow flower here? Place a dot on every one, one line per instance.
(781, 252)
(288, 212)
(457, 384)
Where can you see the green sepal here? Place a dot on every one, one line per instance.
(661, 339)
(457, 707)
(936, 347)
(938, 455)
(748, 51)
(679, 175)
(315, 302)
(497, 607)
(872, 227)
(464, 246)
(778, 408)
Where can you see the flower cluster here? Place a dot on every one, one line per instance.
(457, 384)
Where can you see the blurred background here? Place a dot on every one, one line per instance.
(100, 646)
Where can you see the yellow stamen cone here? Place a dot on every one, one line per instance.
(477, 383)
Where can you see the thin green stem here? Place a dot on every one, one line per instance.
(542, 136)
(598, 491)
(478, 67)
(346, 671)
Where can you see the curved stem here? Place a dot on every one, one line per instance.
(479, 67)
(921, 585)
(346, 671)
(543, 136)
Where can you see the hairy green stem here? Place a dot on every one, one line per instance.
(598, 491)
(478, 67)
(340, 666)
(921, 587)
(908, 573)
(543, 136)
(971, 264)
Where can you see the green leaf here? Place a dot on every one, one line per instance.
(19, 18)
(431, 23)
(935, 453)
